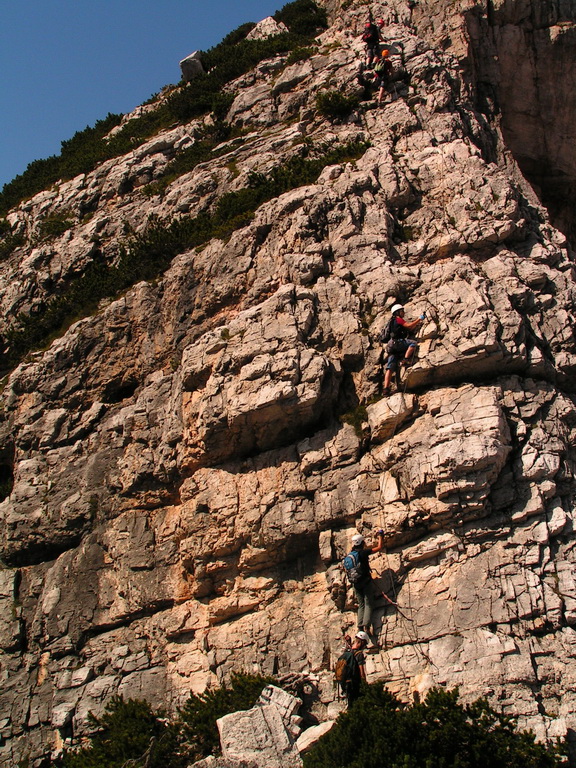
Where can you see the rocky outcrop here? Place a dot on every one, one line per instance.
(265, 734)
(266, 28)
(191, 67)
(190, 461)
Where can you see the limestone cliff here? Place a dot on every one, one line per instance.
(187, 463)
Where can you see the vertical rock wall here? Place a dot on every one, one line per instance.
(190, 462)
(518, 57)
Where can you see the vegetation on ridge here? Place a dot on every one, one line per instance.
(146, 255)
(231, 58)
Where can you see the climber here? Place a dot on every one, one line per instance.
(400, 348)
(371, 36)
(351, 667)
(383, 72)
(357, 567)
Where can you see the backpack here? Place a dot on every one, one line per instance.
(347, 669)
(353, 567)
(370, 35)
(393, 331)
(383, 68)
(386, 334)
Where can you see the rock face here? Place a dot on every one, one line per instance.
(187, 465)
(519, 57)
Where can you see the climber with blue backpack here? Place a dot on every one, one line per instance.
(357, 567)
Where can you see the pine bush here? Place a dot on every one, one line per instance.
(303, 17)
(335, 105)
(379, 731)
(131, 734)
(129, 731)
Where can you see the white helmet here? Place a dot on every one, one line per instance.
(361, 635)
(357, 539)
(396, 308)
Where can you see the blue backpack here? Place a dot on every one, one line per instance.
(353, 567)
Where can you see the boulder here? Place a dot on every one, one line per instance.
(191, 66)
(264, 734)
(311, 736)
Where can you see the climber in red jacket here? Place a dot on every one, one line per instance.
(400, 348)
(371, 36)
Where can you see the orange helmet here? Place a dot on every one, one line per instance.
(385, 53)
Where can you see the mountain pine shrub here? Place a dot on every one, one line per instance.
(303, 17)
(198, 716)
(301, 54)
(54, 225)
(379, 731)
(146, 255)
(129, 733)
(335, 105)
(9, 243)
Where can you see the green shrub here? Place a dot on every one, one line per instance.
(238, 34)
(198, 716)
(335, 105)
(303, 17)
(379, 731)
(54, 225)
(9, 243)
(356, 418)
(129, 731)
(131, 734)
(300, 54)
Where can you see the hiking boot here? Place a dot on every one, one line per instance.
(386, 391)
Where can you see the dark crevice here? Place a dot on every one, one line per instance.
(146, 612)
(6, 480)
(117, 390)
(43, 551)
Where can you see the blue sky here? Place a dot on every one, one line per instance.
(66, 63)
